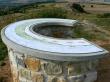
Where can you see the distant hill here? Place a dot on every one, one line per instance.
(11, 3)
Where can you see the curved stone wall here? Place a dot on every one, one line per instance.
(30, 69)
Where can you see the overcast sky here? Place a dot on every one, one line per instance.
(19, 1)
(24, 1)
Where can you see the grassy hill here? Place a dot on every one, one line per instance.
(95, 27)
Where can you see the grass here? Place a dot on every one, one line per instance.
(3, 52)
(79, 32)
(102, 22)
(90, 33)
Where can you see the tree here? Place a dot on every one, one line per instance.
(77, 7)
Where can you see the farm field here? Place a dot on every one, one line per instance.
(97, 8)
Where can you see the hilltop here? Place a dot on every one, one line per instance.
(96, 28)
(16, 3)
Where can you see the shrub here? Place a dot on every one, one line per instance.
(77, 7)
(83, 6)
(2, 63)
(105, 15)
(52, 13)
(80, 31)
(3, 52)
(92, 6)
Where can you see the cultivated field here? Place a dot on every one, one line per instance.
(97, 8)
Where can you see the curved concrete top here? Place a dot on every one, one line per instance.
(19, 36)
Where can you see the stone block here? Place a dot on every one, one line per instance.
(78, 78)
(24, 73)
(95, 64)
(85, 67)
(33, 64)
(37, 78)
(52, 68)
(91, 77)
(15, 80)
(61, 79)
(12, 58)
(15, 75)
(74, 69)
(21, 79)
(58, 79)
(50, 78)
(89, 66)
(20, 61)
(71, 69)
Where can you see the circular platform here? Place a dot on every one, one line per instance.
(23, 38)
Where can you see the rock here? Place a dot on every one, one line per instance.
(24, 73)
(50, 78)
(74, 69)
(15, 75)
(52, 68)
(33, 64)
(58, 79)
(20, 62)
(37, 78)
(61, 79)
(71, 69)
(78, 78)
(91, 77)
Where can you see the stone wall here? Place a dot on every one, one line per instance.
(30, 69)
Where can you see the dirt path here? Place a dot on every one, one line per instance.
(104, 70)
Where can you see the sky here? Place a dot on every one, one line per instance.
(19, 1)
(24, 1)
